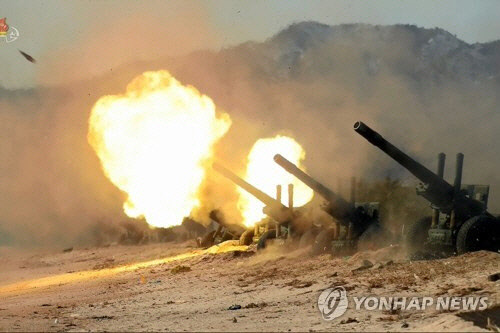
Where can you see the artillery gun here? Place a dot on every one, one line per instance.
(459, 222)
(356, 224)
(222, 231)
(280, 224)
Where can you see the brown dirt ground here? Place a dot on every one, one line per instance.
(99, 290)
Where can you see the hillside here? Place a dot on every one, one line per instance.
(424, 89)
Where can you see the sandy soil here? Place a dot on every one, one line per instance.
(175, 287)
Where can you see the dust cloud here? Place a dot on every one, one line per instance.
(310, 81)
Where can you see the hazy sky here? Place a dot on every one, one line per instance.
(97, 35)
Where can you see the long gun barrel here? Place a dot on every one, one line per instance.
(339, 207)
(278, 211)
(435, 189)
(438, 191)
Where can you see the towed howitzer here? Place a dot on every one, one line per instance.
(274, 208)
(282, 215)
(355, 218)
(223, 231)
(459, 222)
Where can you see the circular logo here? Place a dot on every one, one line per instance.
(332, 303)
(12, 35)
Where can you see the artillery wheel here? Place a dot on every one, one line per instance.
(323, 242)
(416, 236)
(479, 233)
(374, 237)
(308, 237)
(208, 239)
(264, 239)
(246, 237)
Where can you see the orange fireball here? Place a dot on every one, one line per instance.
(155, 143)
(265, 174)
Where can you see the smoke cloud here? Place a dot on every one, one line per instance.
(424, 90)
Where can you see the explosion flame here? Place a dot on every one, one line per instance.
(265, 174)
(155, 142)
